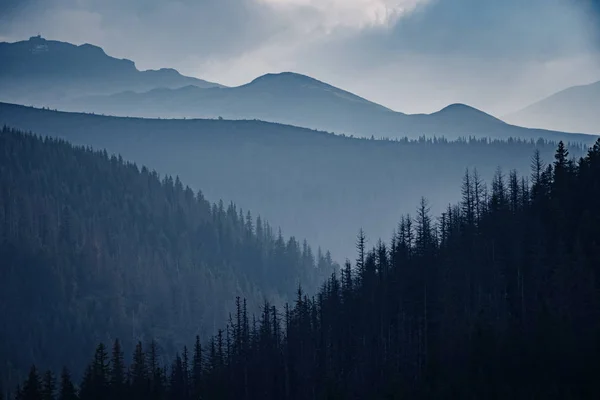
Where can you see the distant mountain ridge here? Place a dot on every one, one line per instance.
(85, 79)
(574, 109)
(271, 81)
(40, 70)
(318, 185)
(299, 100)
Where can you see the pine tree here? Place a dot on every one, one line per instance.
(67, 389)
(177, 386)
(562, 167)
(101, 373)
(561, 157)
(156, 373)
(87, 390)
(424, 235)
(49, 386)
(468, 200)
(139, 374)
(117, 372)
(32, 388)
(361, 247)
(197, 368)
(537, 167)
(185, 364)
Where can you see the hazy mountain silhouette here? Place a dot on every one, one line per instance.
(317, 185)
(60, 75)
(300, 100)
(573, 110)
(44, 71)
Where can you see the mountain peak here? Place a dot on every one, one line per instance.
(99, 50)
(70, 67)
(459, 107)
(291, 77)
(463, 110)
(574, 109)
(292, 81)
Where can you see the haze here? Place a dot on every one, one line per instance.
(410, 55)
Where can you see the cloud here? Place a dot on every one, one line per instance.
(150, 32)
(412, 55)
(358, 14)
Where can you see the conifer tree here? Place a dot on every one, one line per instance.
(67, 389)
(139, 374)
(117, 372)
(32, 388)
(49, 386)
(101, 373)
(156, 373)
(197, 368)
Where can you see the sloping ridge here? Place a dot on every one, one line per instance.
(291, 81)
(300, 100)
(574, 109)
(464, 110)
(55, 68)
(286, 97)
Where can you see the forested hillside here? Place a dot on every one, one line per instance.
(317, 185)
(92, 248)
(497, 298)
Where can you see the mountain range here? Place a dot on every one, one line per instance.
(574, 109)
(40, 71)
(85, 79)
(319, 186)
(295, 99)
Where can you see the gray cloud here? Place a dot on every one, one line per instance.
(496, 55)
(540, 29)
(150, 30)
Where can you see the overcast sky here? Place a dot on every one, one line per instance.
(410, 55)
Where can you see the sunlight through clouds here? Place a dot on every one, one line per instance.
(350, 13)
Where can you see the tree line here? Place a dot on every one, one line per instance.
(496, 298)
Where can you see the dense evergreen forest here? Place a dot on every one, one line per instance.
(318, 185)
(92, 247)
(496, 298)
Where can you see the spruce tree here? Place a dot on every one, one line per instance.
(117, 372)
(67, 389)
(87, 389)
(49, 386)
(101, 373)
(197, 367)
(156, 373)
(139, 374)
(32, 388)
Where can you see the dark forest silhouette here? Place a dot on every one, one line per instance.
(496, 298)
